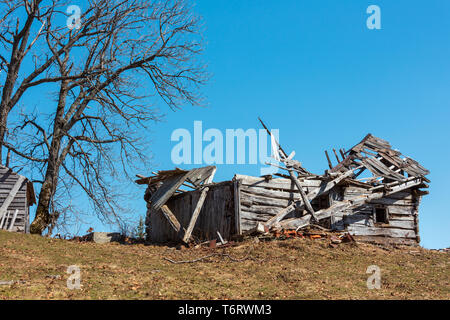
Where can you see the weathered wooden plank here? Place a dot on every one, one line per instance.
(395, 217)
(254, 216)
(269, 210)
(297, 223)
(330, 165)
(167, 189)
(401, 210)
(402, 224)
(378, 231)
(198, 207)
(278, 183)
(305, 201)
(249, 199)
(173, 221)
(237, 205)
(13, 220)
(287, 195)
(404, 186)
(2, 220)
(247, 224)
(390, 202)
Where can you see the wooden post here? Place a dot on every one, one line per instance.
(237, 205)
(336, 155)
(342, 154)
(328, 159)
(198, 207)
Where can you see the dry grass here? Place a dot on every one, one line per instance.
(290, 269)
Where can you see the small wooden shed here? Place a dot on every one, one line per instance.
(16, 197)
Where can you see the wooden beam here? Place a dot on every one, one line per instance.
(336, 155)
(198, 207)
(305, 199)
(341, 151)
(173, 221)
(237, 205)
(328, 159)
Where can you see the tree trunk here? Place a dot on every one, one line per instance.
(42, 218)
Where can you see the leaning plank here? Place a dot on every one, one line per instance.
(173, 221)
(279, 216)
(304, 221)
(167, 189)
(11, 195)
(2, 220)
(13, 221)
(198, 207)
(305, 199)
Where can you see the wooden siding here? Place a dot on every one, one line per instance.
(217, 214)
(20, 202)
(402, 225)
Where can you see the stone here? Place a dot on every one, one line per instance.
(104, 237)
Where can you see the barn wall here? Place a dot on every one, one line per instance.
(7, 181)
(217, 214)
(402, 225)
(260, 199)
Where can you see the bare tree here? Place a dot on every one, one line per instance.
(23, 31)
(129, 54)
(15, 41)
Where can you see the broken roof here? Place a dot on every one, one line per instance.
(378, 157)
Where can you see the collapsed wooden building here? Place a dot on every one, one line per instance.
(16, 197)
(185, 205)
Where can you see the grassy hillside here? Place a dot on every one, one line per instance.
(289, 269)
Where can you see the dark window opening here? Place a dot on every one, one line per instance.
(381, 215)
(322, 202)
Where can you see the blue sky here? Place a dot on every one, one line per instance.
(315, 71)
